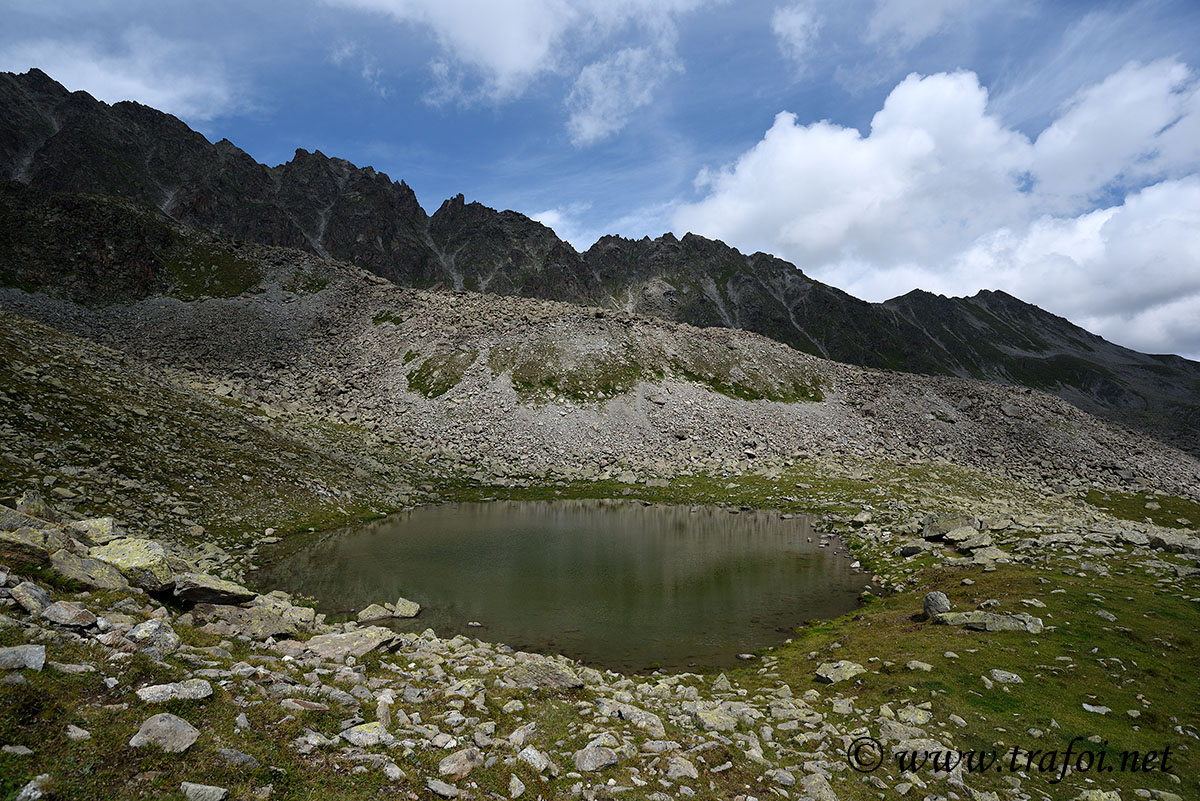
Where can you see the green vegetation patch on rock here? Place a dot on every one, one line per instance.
(441, 372)
(598, 367)
(210, 270)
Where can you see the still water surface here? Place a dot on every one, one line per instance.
(615, 584)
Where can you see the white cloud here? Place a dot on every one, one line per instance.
(351, 54)
(901, 25)
(182, 79)
(489, 51)
(1138, 124)
(607, 93)
(796, 28)
(1098, 219)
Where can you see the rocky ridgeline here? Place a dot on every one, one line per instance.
(434, 715)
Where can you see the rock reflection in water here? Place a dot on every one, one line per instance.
(616, 584)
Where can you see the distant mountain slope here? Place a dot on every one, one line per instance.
(57, 140)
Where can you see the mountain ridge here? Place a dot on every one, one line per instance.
(61, 141)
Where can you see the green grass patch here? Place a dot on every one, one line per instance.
(210, 270)
(1164, 510)
(440, 373)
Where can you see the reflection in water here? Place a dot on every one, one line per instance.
(612, 583)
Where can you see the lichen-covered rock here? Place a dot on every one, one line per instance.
(407, 608)
(366, 735)
(204, 588)
(32, 598)
(834, 672)
(154, 638)
(96, 531)
(541, 671)
(143, 562)
(88, 572)
(460, 764)
(374, 612)
(594, 757)
(337, 646)
(29, 546)
(188, 690)
(990, 621)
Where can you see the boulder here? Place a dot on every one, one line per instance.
(69, 613)
(31, 597)
(990, 621)
(203, 792)
(143, 562)
(169, 732)
(935, 603)
(256, 622)
(96, 531)
(90, 573)
(543, 672)
(374, 612)
(29, 546)
(189, 690)
(680, 768)
(337, 646)
(834, 672)
(594, 757)
(155, 638)
(460, 764)
(23, 657)
(1005, 677)
(441, 789)
(407, 608)
(366, 735)
(714, 719)
(204, 588)
(33, 504)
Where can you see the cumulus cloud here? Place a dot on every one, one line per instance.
(183, 79)
(1097, 218)
(796, 28)
(494, 52)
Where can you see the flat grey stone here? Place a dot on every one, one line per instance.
(189, 690)
(203, 792)
(23, 657)
(69, 613)
(834, 672)
(169, 732)
(204, 588)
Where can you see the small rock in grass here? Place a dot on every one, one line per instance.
(203, 792)
(169, 732)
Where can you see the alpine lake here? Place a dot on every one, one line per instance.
(614, 584)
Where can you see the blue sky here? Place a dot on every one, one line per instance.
(1051, 149)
